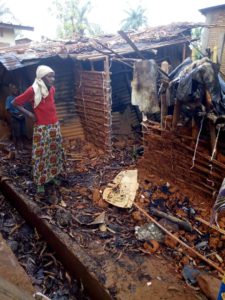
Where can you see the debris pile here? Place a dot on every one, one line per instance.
(113, 235)
(46, 272)
(188, 220)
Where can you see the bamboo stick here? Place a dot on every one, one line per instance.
(199, 255)
(213, 162)
(177, 160)
(209, 225)
(212, 126)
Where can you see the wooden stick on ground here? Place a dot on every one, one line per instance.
(176, 114)
(211, 226)
(181, 223)
(199, 255)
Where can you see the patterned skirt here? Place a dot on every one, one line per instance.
(47, 153)
(221, 294)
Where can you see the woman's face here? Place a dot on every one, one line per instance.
(49, 79)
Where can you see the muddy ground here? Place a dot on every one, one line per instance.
(130, 268)
(39, 261)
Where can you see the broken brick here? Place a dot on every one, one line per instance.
(170, 242)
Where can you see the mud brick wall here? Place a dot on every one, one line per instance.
(93, 105)
(169, 155)
(213, 36)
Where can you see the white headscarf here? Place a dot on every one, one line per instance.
(40, 89)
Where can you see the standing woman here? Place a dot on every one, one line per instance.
(47, 150)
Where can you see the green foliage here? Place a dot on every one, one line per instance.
(135, 19)
(196, 46)
(73, 17)
(196, 32)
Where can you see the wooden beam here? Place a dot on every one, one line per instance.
(164, 108)
(129, 42)
(176, 114)
(109, 49)
(113, 52)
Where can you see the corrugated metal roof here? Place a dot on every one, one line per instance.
(15, 26)
(87, 48)
(211, 8)
(10, 61)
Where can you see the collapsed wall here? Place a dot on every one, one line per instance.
(169, 154)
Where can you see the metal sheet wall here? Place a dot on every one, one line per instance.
(124, 114)
(71, 126)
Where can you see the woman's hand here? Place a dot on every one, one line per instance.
(25, 111)
(32, 116)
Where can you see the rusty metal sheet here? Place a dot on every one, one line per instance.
(10, 62)
(80, 49)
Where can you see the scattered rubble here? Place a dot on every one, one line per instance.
(46, 272)
(78, 208)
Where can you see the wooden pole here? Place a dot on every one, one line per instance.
(184, 51)
(108, 99)
(209, 225)
(192, 250)
(194, 131)
(176, 114)
(164, 108)
(113, 52)
(212, 127)
(133, 46)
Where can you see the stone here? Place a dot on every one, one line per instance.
(152, 246)
(102, 203)
(190, 237)
(185, 260)
(96, 195)
(170, 242)
(136, 215)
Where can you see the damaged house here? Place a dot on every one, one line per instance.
(93, 77)
(100, 87)
(96, 100)
(213, 37)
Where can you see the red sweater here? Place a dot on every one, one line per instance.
(45, 112)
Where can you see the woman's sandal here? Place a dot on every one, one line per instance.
(41, 190)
